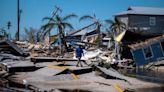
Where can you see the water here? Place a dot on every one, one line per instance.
(151, 89)
(147, 75)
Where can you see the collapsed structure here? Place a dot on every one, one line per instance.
(50, 66)
(143, 25)
(149, 51)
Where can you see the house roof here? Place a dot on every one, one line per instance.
(82, 32)
(76, 31)
(147, 42)
(142, 11)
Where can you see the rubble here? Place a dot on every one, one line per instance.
(11, 57)
(8, 47)
(47, 69)
(18, 66)
(111, 73)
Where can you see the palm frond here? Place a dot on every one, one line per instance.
(86, 17)
(48, 26)
(67, 25)
(69, 16)
(58, 18)
(108, 21)
(117, 20)
(48, 18)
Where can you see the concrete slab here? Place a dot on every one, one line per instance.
(50, 59)
(111, 73)
(18, 66)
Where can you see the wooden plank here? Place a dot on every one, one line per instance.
(4, 46)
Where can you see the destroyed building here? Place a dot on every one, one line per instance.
(7, 46)
(142, 24)
(149, 51)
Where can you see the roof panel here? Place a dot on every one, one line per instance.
(147, 42)
(143, 11)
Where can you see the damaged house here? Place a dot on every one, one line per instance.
(148, 51)
(143, 24)
(146, 21)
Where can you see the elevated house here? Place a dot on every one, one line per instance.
(146, 21)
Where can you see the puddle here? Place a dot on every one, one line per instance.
(152, 89)
(141, 72)
(147, 75)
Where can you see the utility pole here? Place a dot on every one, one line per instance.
(8, 27)
(18, 21)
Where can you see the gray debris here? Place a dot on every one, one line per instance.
(111, 73)
(4, 56)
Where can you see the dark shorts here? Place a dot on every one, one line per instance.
(78, 58)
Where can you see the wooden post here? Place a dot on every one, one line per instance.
(18, 21)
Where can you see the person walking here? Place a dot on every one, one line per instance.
(79, 53)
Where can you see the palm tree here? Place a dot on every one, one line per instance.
(8, 27)
(60, 23)
(98, 25)
(116, 26)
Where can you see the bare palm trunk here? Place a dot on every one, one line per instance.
(99, 34)
(61, 35)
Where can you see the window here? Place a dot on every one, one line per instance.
(147, 52)
(152, 21)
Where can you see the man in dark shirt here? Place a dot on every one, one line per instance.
(79, 53)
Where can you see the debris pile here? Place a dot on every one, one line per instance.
(48, 67)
